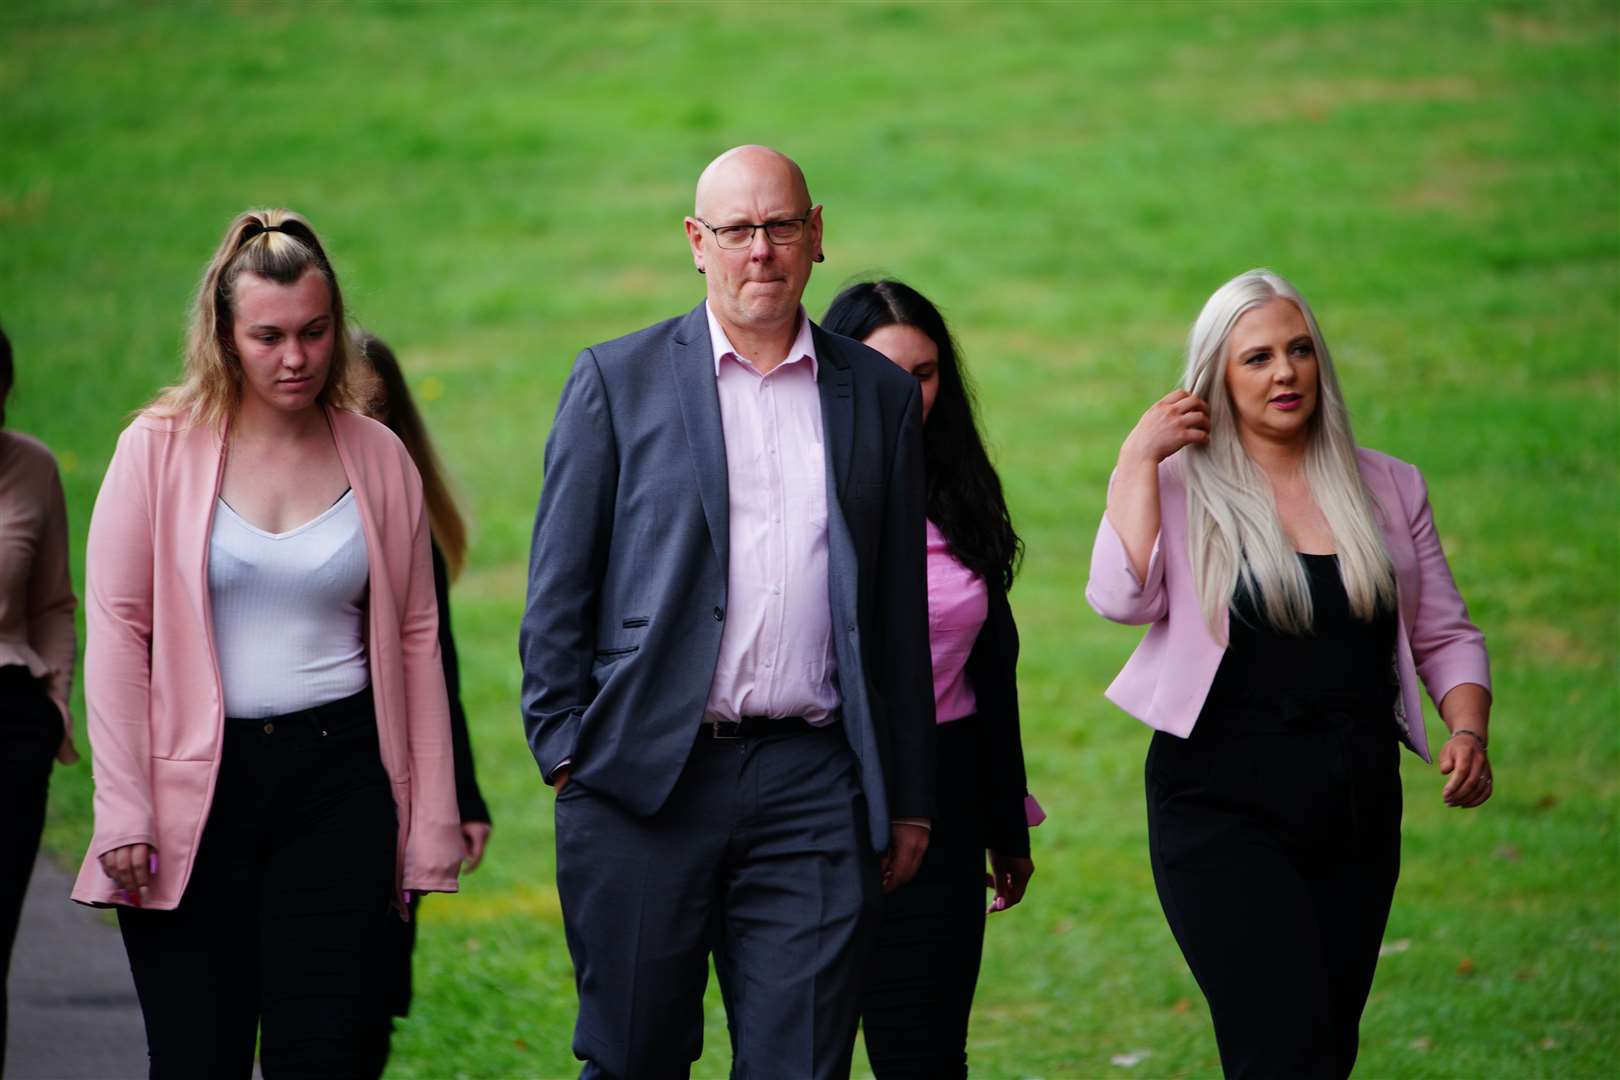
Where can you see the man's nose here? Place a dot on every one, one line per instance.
(759, 246)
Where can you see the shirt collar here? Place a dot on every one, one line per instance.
(803, 347)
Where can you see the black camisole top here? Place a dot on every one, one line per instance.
(1343, 657)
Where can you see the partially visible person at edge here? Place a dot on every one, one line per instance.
(393, 405)
(1297, 592)
(37, 643)
(920, 980)
(267, 709)
(725, 654)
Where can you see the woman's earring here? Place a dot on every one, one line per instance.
(820, 257)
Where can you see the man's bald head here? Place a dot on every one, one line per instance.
(755, 283)
(746, 166)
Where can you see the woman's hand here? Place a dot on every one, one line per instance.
(131, 867)
(1009, 876)
(474, 838)
(1175, 420)
(1178, 419)
(1463, 759)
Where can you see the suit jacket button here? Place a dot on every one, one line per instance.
(719, 614)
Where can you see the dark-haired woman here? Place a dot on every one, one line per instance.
(37, 644)
(266, 703)
(394, 406)
(918, 990)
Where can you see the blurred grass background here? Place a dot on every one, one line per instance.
(502, 184)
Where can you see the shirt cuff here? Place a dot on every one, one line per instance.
(921, 821)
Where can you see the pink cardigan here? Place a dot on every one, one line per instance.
(1166, 680)
(154, 703)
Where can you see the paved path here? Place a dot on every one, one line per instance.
(73, 1010)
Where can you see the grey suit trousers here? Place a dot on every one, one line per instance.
(760, 856)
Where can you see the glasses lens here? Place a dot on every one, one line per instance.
(733, 236)
(784, 232)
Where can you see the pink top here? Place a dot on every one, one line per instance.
(1168, 676)
(957, 605)
(776, 651)
(152, 688)
(36, 594)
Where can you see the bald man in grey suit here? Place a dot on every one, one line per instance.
(726, 668)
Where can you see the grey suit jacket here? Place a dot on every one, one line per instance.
(627, 573)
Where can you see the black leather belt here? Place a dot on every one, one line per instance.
(754, 727)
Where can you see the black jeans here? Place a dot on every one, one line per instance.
(1275, 837)
(919, 983)
(284, 922)
(30, 732)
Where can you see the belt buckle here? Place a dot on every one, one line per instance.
(734, 731)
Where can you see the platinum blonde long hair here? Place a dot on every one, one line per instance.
(1234, 535)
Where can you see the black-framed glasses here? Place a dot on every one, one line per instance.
(778, 232)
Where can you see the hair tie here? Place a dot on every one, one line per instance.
(256, 228)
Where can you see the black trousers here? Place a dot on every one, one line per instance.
(30, 732)
(284, 922)
(1275, 837)
(919, 983)
(760, 857)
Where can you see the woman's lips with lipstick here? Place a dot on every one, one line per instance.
(1286, 402)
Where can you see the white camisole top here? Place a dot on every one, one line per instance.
(289, 611)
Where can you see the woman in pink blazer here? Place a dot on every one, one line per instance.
(267, 708)
(1296, 592)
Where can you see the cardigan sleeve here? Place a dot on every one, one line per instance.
(51, 604)
(118, 651)
(433, 844)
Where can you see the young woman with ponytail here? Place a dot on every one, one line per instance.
(267, 709)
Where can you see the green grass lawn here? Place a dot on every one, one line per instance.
(502, 184)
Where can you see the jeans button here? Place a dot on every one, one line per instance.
(269, 729)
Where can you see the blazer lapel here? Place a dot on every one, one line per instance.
(836, 383)
(691, 359)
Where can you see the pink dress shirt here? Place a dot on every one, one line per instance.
(36, 594)
(957, 605)
(776, 652)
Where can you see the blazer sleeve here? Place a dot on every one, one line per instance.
(904, 671)
(433, 842)
(469, 800)
(118, 650)
(1113, 590)
(993, 670)
(1447, 648)
(572, 529)
(51, 603)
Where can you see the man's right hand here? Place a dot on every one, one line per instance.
(131, 866)
(560, 778)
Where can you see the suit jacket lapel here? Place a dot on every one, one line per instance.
(691, 358)
(836, 383)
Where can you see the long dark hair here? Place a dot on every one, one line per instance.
(397, 409)
(964, 492)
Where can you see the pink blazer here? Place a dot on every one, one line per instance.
(154, 703)
(1166, 680)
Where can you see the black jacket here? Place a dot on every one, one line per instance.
(992, 670)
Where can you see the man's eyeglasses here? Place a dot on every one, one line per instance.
(779, 232)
